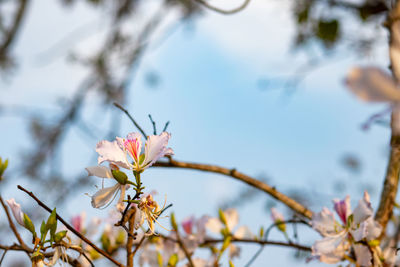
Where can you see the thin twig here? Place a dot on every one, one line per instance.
(2, 256)
(183, 247)
(166, 126)
(154, 125)
(131, 118)
(131, 238)
(291, 203)
(72, 229)
(223, 11)
(138, 245)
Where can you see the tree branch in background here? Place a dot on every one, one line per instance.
(291, 203)
(223, 11)
(390, 185)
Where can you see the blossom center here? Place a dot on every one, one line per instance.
(132, 146)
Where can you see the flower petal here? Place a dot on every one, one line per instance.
(372, 84)
(324, 222)
(155, 148)
(111, 152)
(363, 211)
(232, 218)
(99, 171)
(243, 232)
(16, 210)
(214, 225)
(363, 255)
(342, 208)
(104, 196)
(330, 249)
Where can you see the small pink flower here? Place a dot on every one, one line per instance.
(16, 210)
(116, 152)
(187, 225)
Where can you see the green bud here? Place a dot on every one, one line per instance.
(173, 222)
(281, 226)
(43, 231)
(3, 167)
(29, 225)
(261, 232)
(222, 217)
(159, 259)
(173, 260)
(120, 176)
(105, 242)
(231, 264)
(120, 238)
(373, 243)
(52, 224)
(59, 236)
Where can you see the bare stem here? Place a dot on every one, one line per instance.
(291, 203)
(223, 11)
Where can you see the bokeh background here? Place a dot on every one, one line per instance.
(261, 90)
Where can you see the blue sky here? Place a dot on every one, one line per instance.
(218, 114)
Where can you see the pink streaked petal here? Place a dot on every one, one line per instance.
(99, 171)
(364, 209)
(133, 145)
(187, 225)
(342, 208)
(155, 148)
(111, 152)
(104, 196)
(372, 84)
(16, 210)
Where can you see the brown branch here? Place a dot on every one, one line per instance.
(12, 226)
(72, 229)
(248, 241)
(291, 203)
(223, 11)
(390, 185)
(138, 245)
(14, 28)
(129, 243)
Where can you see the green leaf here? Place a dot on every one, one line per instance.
(59, 236)
(29, 225)
(328, 31)
(173, 260)
(120, 176)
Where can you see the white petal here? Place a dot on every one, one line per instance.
(243, 232)
(16, 210)
(276, 216)
(360, 232)
(232, 218)
(330, 249)
(104, 196)
(155, 148)
(111, 152)
(363, 255)
(324, 222)
(374, 229)
(214, 225)
(99, 171)
(372, 84)
(234, 251)
(363, 211)
(56, 256)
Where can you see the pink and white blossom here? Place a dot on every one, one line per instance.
(16, 210)
(117, 151)
(339, 237)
